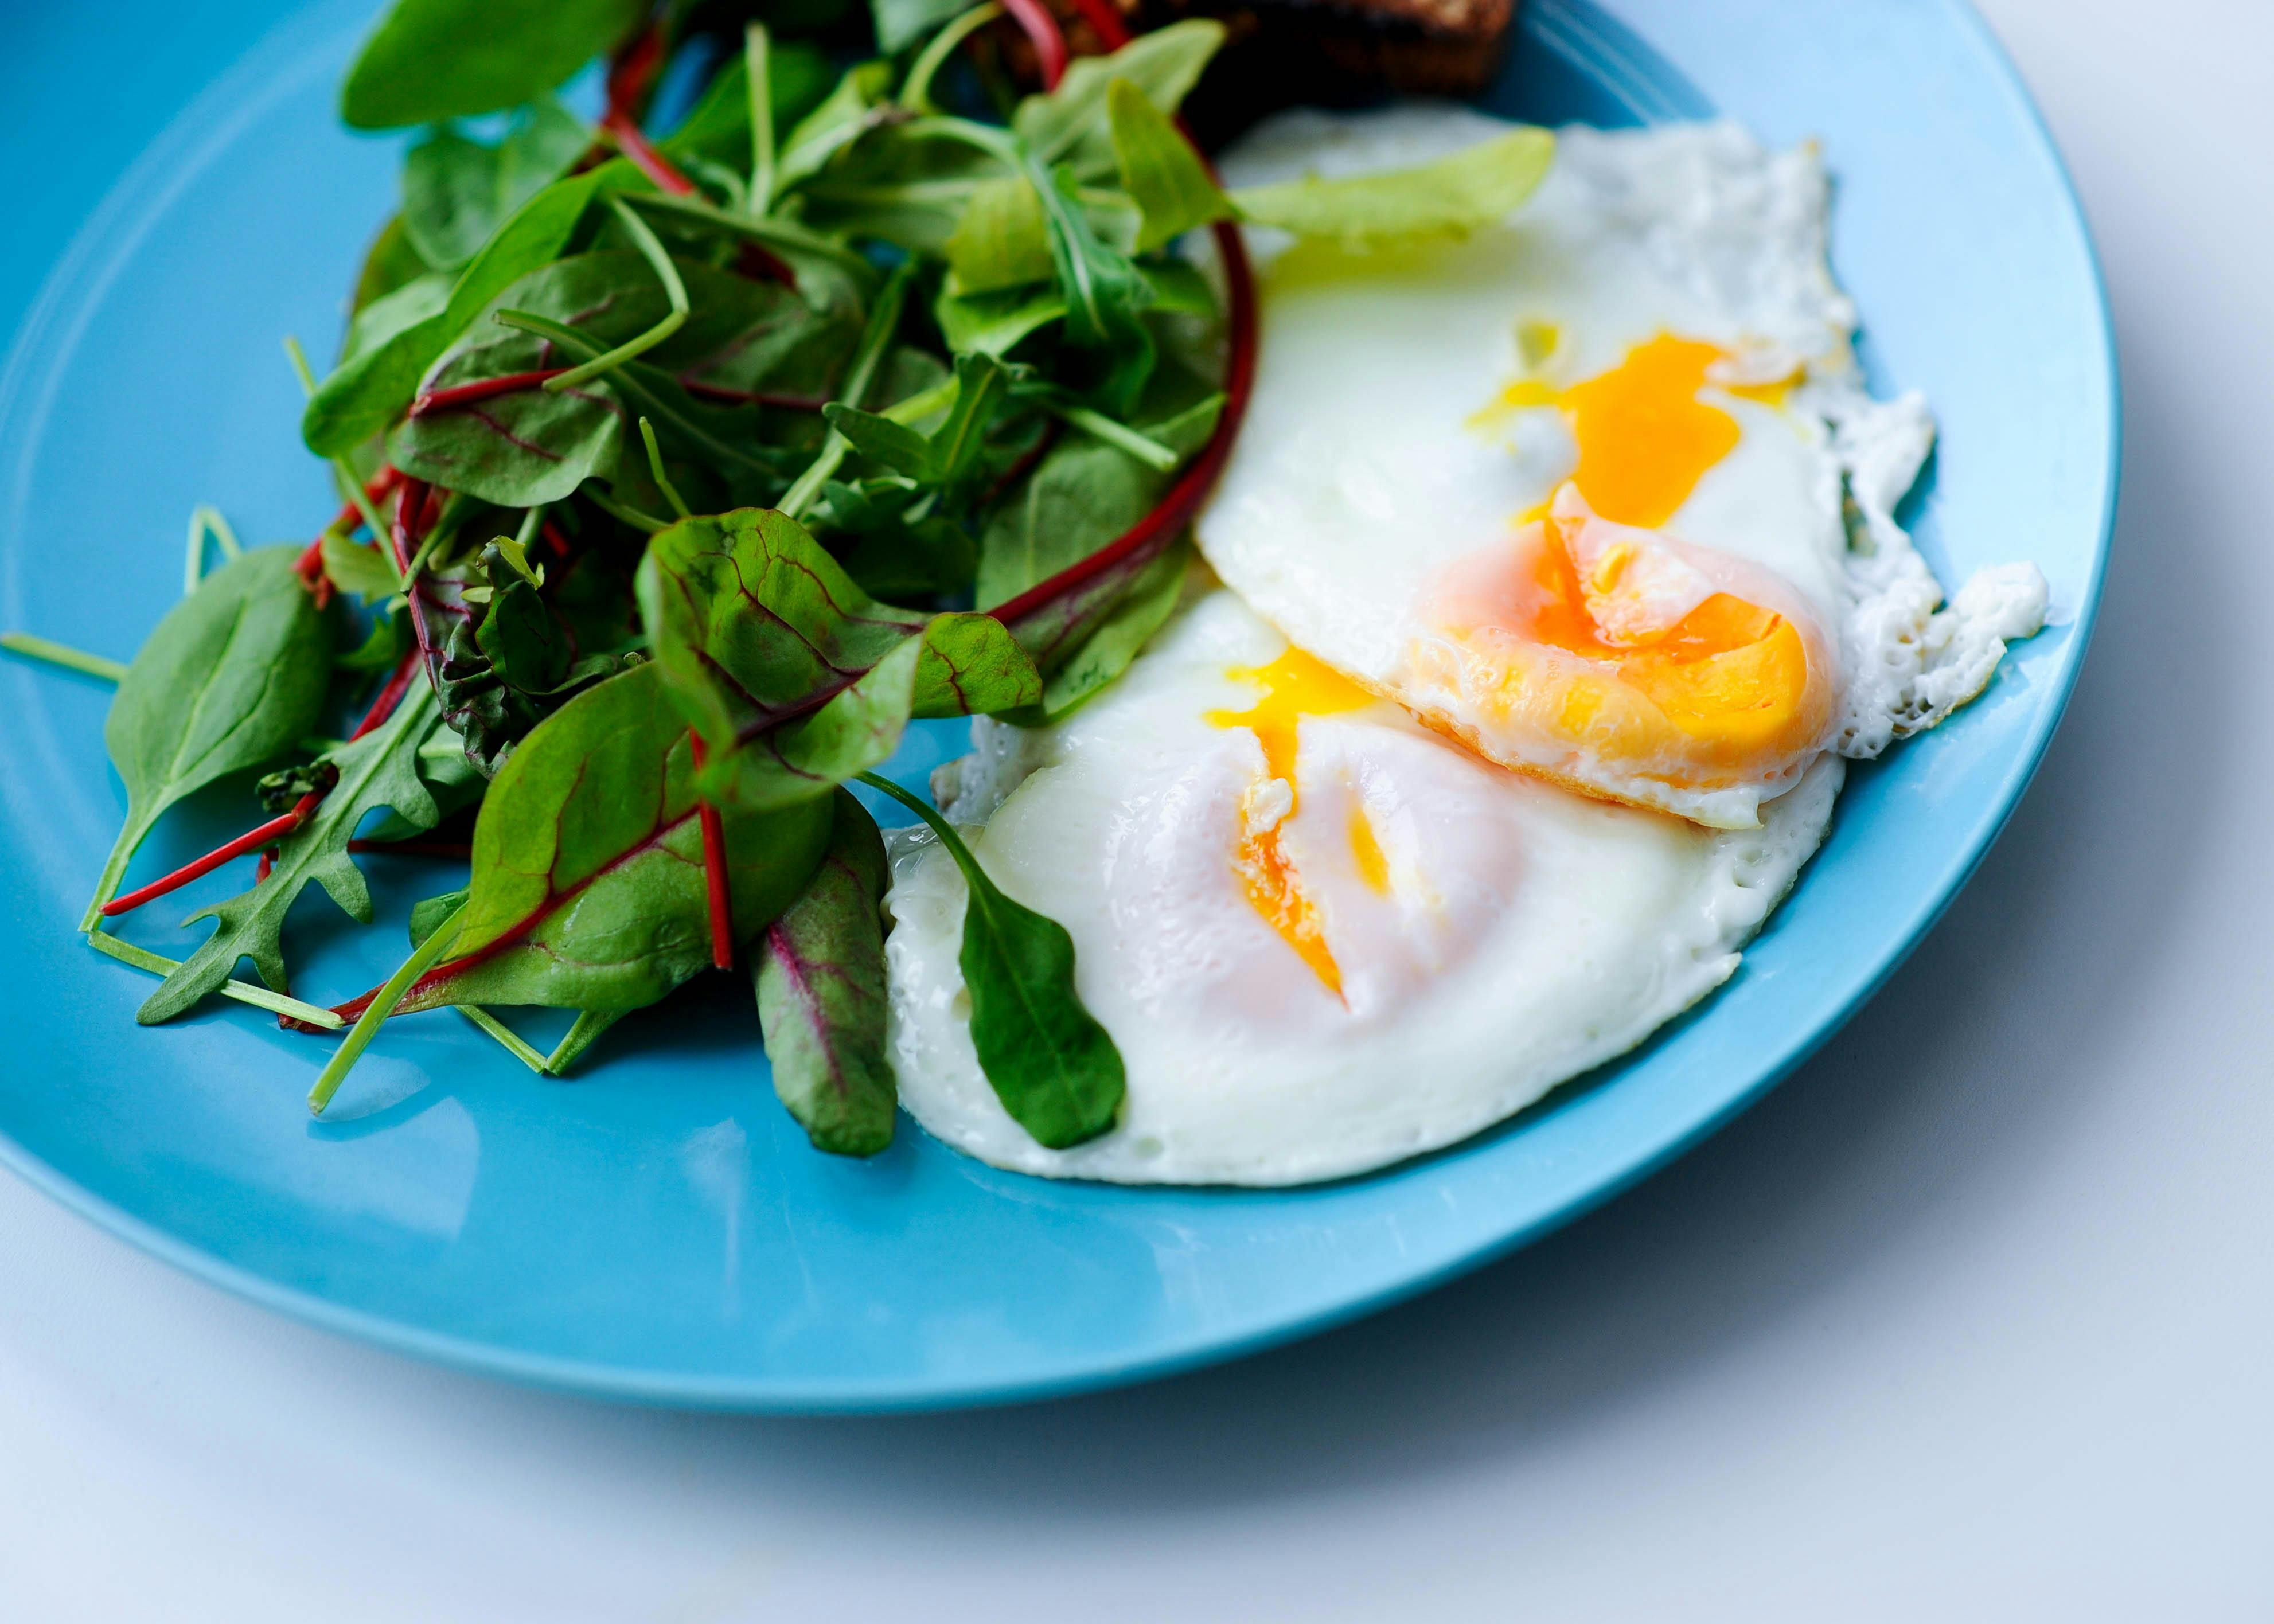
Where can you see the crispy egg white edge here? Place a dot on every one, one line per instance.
(1739, 878)
(1741, 231)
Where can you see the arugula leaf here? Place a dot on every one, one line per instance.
(429, 60)
(588, 887)
(1054, 1068)
(1450, 198)
(368, 392)
(794, 676)
(457, 192)
(1070, 124)
(231, 679)
(1160, 171)
(378, 770)
(819, 973)
(502, 675)
(950, 457)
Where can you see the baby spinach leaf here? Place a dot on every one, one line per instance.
(378, 770)
(1160, 171)
(1054, 1068)
(890, 554)
(1002, 241)
(359, 568)
(367, 393)
(588, 888)
(901, 23)
(457, 192)
(397, 311)
(1450, 198)
(231, 679)
(1070, 124)
(387, 264)
(429, 60)
(1100, 657)
(794, 677)
(820, 976)
(1086, 494)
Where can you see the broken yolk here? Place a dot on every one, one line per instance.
(1729, 674)
(1291, 687)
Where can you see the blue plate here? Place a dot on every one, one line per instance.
(657, 1228)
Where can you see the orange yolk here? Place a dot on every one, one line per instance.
(1291, 687)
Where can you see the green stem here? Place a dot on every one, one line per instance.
(1146, 450)
(629, 383)
(916, 95)
(622, 512)
(938, 824)
(771, 232)
(755, 54)
(504, 1034)
(206, 522)
(674, 289)
(876, 340)
(428, 955)
(590, 1025)
(64, 654)
(300, 367)
(243, 992)
(655, 469)
(114, 869)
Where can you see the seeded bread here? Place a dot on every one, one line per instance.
(1281, 53)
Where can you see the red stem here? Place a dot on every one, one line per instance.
(1042, 30)
(1185, 497)
(310, 566)
(633, 70)
(1101, 16)
(714, 872)
(481, 389)
(251, 840)
(276, 828)
(636, 145)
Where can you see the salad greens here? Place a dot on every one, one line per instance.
(684, 463)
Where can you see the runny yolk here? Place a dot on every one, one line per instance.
(1645, 438)
(1291, 687)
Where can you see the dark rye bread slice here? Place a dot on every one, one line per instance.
(1286, 53)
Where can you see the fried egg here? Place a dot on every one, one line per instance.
(1598, 491)
(1323, 937)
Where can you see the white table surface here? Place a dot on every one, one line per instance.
(1971, 1319)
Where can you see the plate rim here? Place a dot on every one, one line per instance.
(903, 1393)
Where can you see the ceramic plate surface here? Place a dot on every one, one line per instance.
(657, 1228)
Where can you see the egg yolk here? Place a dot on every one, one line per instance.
(1645, 438)
(1291, 687)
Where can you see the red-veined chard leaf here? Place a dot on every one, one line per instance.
(430, 60)
(230, 679)
(820, 977)
(364, 395)
(588, 887)
(794, 677)
(379, 769)
(1055, 1068)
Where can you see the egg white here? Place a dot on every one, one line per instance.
(1366, 470)
(1522, 936)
